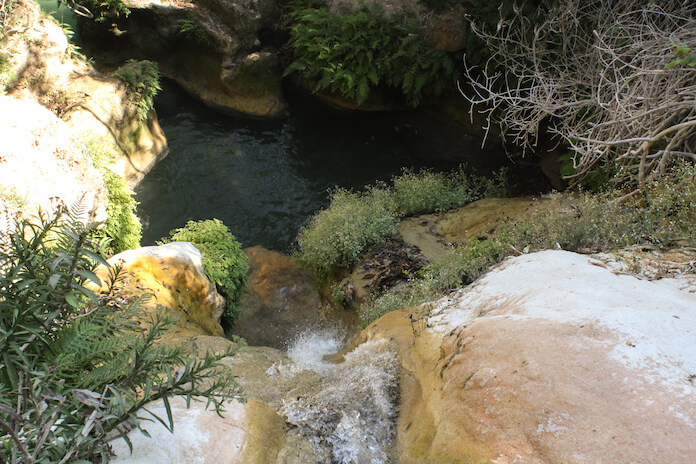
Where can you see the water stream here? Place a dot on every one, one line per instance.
(264, 179)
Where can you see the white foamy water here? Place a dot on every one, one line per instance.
(307, 351)
(345, 409)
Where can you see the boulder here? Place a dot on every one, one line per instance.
(173, 275)
(43, 166)
(548, 358)
(45, 68)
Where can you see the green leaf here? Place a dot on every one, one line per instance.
(71, 299)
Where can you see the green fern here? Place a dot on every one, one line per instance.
(75, 370)
(142, 78)
(357, 52)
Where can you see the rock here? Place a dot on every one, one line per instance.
(211, 49)
(248, 433)
(434, 234)
(281, 300)
(173, 274)
(42, 165)
(447, 30)
(46, 69)
(550, 357)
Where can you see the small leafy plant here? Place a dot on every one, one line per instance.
(143, 81)
(224, 261)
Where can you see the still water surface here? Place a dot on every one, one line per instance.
(265, 179)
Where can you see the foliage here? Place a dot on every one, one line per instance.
(596, 76)
(76, 370)
(428, 191)
(359, 51)
(597, 179)
(192, 30)
(143, 81)
(122, 226)
(665, 214)
(684, 57)
(5, 10)
(224, 261)
(336, 236)
(354, 222)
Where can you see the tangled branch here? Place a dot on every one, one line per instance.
(615, 80)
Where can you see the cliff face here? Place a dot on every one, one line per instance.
(42, 66)
(211, 49)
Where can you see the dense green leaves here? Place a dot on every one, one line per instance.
(143, 81)
(76, 370)
(359, 51)
(224, 261)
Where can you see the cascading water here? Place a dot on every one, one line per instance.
(345, 409)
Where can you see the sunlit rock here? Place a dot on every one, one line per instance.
(550, 357)
(44, 67)
(174, 277)
(43, 166)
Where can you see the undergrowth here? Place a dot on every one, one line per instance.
(356, 221)
(664, 215)
(362, 50)
(224, 262)
(76, 369)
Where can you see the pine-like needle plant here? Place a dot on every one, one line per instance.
(76, 370)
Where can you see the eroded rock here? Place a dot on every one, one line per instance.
(550, 357)
(174, 277)
(99, 107)
(44, 166)
(211, 49)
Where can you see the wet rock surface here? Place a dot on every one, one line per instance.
(281, 301)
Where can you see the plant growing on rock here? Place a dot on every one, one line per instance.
(143, 81)
(224, 261)
(122, 226)
(76, 370)
(362, 50)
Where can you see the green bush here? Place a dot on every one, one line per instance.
(336, 236)
(76, 370)
(428, 191)
(354, 222)
(122, 225)
(143, 81)
(224, 261)
(362, 50)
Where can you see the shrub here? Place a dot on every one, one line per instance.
(224, 261)
(143, 81)
(353, 222)
(76, 371)
(361, 50)
(428, 191)
(122, 224)
(336, 236)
